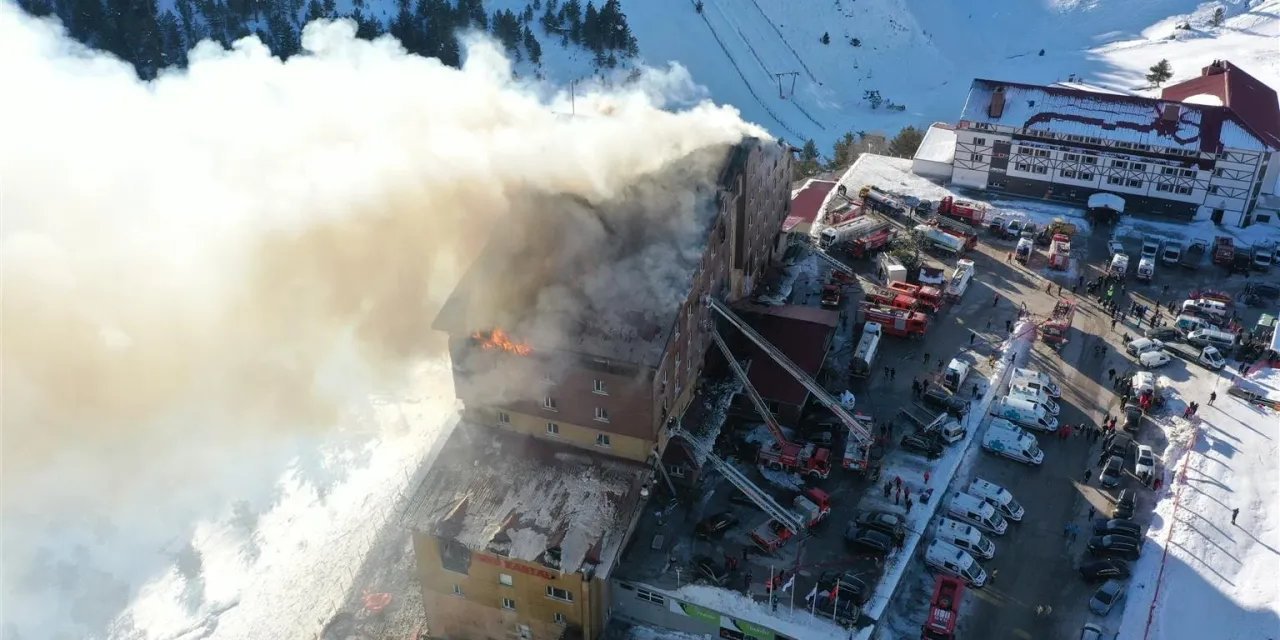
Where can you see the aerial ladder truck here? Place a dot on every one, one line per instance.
(858, 449)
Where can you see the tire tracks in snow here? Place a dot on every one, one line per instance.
(785, 42)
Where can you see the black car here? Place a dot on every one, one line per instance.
(710, 570)
(1132, 417)
(1124, 505)
(869, 540)
(1115, 546)
(1117, 444)
(1163, 334)
(939, 399)
(715, 525)
(1268, 290)
(1103, 526)
(842, 610)
(924, 444)
(1112, 473)
(888, 522)
(1108, 569)
(851, 586)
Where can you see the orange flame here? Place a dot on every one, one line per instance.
(498, 339)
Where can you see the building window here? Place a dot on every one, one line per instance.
(508, 604)
(602, 440)
(1217, 173)
(1264, 217)
(1116, 180)
(602, 414)
(1168, 171)
(559, 618)
(1040, 169)
(597, 386)
(553, 429)
(1022, 166)
(1187, 173)
(504, 417)
(1084, 176)
(1167, 188)
(1214, 189)
(1067, 173)
(981, 142)
(505, 580)
(1120, 164)
(557, 593)
(1073, 157)
(457, 590)
(649, 596)
(1136, 184)
(676, 470)
(977, 157)
(1089, 159)
(1137, 166)
(1042, 153)
(1186, 191)
(549, 403)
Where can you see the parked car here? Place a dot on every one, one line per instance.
(927, 445)
(1163, 334)
(1111, 473)
(1132, 417)
(1103, 527)
(715, 525)
(1143, 345)
(1268, 290)
(851, 586)
(1090, 631)
(1144, 465)
(710, 570)
(1115, 546)
(869, 540)
(1154, 359)
(1124, 505)
(940, 399)
(1104, 570)
(888, 522)
(1107, 596)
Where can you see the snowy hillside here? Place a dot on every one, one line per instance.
(922, 53)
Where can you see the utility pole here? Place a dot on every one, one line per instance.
(792, 89)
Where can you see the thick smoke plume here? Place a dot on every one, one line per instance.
(199, 266)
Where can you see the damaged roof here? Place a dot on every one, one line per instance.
(519, 497)
(1123, 118)
(802, 333)
(1253, 102)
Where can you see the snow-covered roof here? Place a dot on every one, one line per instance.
(520, 497)
(1205, 99)
(1109, 200)
(1092, 88)
(939, 145)
(1120, 118)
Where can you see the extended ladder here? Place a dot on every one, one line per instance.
(857, 430)
(746, 486)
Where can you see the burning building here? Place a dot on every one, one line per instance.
(583, 328)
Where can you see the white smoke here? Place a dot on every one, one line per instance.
(201, 270)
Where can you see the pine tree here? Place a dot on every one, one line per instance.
(826, 38)
(904, 144)
(1219, 14)
(809, 160)
(1160, 72)
(532, 46)
(591, 29)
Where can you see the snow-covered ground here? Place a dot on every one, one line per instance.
(766, 58)
(1201, 576)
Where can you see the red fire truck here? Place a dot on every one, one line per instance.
(929, 298)
(1060, 252)
(1054, 330)
(810, 507)
(963, 210)
(967, 234)
(897, 322)
(891, 298)
(944, 609)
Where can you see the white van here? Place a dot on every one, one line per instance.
(1211, 338)
(1119, 265)
(1021, 411)
(1146, 269)
(1187, 324)
(952, 560)
(998, 497)
(976, 512)
(1037, 380)
(965, 537)
(1215, 308)
(1035, 395)
(956, 372)
(1011, 441)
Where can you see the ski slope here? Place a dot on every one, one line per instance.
(923, 53)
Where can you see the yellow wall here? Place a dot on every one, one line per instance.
(478, 613)
(572, 434)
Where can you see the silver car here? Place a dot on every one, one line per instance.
(1107, 596)
(1144, 465)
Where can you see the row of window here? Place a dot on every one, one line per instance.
(549, 403)
(553, 428)
(554, 593)
(1031, 168)
(1124, 182)
(1174, 188)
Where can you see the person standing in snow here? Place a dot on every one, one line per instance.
(1234, 513)
(1213, 395)
(1088, 473)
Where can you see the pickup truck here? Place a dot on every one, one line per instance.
(1208, 357)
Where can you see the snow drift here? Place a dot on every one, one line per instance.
(203, 271)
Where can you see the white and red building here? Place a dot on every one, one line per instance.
(1207, 149)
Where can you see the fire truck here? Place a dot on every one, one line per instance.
(928, 298)
(1054, 330)
(1224, 250)
(860, 437)
(965, 233)
(897, 322)
(963, 210)
(884, 297)
(858, 237)
(810, 509)
(1060, 252)
(960, 278)
(944, 609)
(877, 200)
(831, 294)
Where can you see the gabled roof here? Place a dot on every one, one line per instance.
(801, 332)
(1132, 119)
(1253, 102)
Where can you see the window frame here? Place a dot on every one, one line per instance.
(551, 593)
(553, 428)
(604, 441)
(549, 404)
(508, 604)
(506, 580)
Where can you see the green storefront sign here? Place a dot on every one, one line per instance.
(705, 615)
